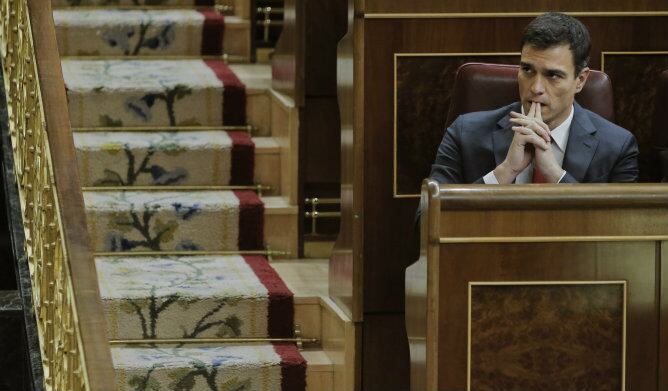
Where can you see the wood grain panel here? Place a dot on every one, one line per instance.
(386, 364)
(431, 6)
(423, 95)
(662, 296)
(632, 262)
(510, 223)
(322, 142)
(287, 63)
(634, 106)
(543, 337)
(345, 266)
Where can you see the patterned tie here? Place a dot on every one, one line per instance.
(537, 176)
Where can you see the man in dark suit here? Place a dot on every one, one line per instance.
(546, 137)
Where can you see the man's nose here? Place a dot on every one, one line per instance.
(537, 86)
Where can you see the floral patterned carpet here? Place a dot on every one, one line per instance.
(155, 122)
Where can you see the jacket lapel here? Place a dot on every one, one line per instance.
(503, 135)
(582, 143)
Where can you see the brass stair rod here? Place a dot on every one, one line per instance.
(224, 9)
(190, 128)
(273, 10)
(328, 201)
(259, 188)
(269, 253)
(320, 215)
(266, 23)
(227, 58)
(313, 214)
(210, 340)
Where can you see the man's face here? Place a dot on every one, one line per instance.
(548, 77)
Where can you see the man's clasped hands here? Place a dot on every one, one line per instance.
(531, 143)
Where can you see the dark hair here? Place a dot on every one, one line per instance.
(554, 28)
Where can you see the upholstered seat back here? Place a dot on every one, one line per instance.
(480, 87)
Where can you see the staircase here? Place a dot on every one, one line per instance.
(188, 185)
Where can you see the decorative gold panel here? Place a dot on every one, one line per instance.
(53, 297)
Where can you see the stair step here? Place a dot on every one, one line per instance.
(125, 32)
(171, 297)
(152, 93)
(174, 220)
(133, 93)
(237, 37)
(203, 368)
(320, 371)
(281, 225)
(191, 158)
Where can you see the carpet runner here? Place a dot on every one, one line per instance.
(174, 220)
(194, 297)
(187, 158)
(153, 93)
(221, 368)
(124, 32)
(163, 296)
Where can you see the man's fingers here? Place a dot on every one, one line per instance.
(538, 114)
(532, 110)
(525, 136)
(533, 125)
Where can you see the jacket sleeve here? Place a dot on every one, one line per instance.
(625, 169)
(626, 166)
(447, 167)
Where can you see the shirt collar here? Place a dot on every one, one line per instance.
(561, 132)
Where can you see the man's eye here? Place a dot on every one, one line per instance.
(526, 69)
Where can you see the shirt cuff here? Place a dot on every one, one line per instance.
(490, 179)
(562, 177)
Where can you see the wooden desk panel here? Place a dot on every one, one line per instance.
(634, 263)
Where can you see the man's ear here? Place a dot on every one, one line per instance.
(582, 79)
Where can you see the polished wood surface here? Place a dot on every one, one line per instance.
(526, 336)
(375, 247)
(386, 365)
(321, 165)
(635, 263)
(662, 293)
(475, 6)
(287, 64)
(449, 352)
(345, 267)
(549, 196)
(82, 267)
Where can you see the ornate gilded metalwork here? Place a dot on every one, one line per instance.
(53, 296)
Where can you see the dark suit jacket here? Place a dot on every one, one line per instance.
(475, 143)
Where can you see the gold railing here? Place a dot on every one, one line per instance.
(75, 351)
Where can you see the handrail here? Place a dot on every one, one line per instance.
(72, 330)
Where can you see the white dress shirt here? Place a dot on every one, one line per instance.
(559, 141)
